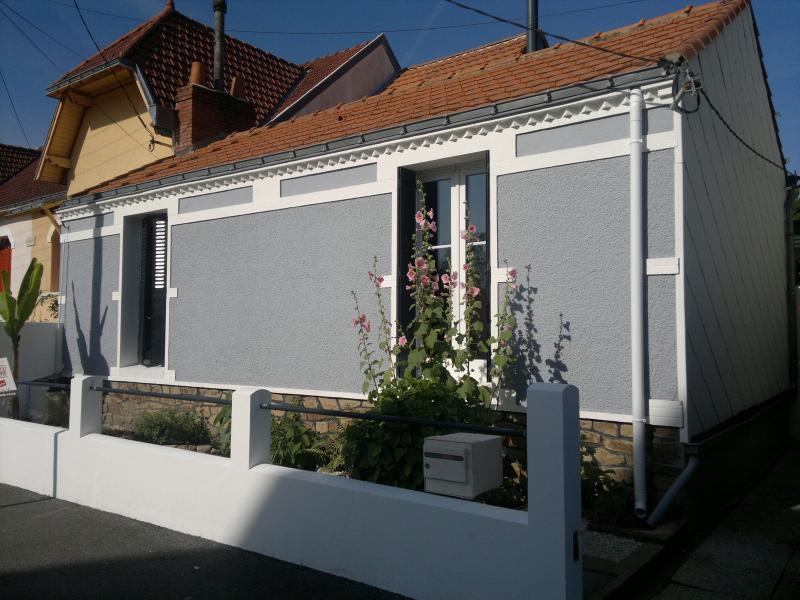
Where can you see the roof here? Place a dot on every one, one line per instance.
(23, 187)
(165, 46)
(15, 158)
(480, 77)
(316, 70)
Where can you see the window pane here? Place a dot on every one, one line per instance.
(477, 203)
(442, 258)
(481, 265)
(437, 197)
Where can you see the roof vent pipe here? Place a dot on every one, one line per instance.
(534, 39)
(220, 8)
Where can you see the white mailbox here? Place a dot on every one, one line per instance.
(462, 464)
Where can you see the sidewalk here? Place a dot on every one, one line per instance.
(754, 552)
(55, 549)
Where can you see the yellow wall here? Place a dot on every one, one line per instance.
(103, 150)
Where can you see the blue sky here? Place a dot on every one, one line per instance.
(27, 72)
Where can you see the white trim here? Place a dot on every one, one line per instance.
(481, 136)
(5, 233)
(603, 416)
(680, 280)
(91, 233)
(115, 296)
(663, 266)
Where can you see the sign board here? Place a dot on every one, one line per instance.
(7, 384)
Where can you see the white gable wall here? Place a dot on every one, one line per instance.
(734, 274)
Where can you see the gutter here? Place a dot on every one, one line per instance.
(638, 397)
(506, 108)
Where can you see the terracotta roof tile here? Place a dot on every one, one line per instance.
(469, 80)
(15, 158)
(23, 186)
(165, 46)
(315, 71)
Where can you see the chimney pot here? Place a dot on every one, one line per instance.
(197, 75)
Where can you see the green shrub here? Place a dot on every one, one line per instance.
(293, 444)
(223, 424)
(391, 453)
(171, 426)
(603, 498)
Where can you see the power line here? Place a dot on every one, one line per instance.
(369, 31)
(34, 44)
(552, 35)
(40, 30)
(14, 108)
(114, 73)
(737, 136)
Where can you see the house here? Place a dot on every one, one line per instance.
(28, 227)
(649, 241)
(132, 105)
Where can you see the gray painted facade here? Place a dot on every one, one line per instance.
(87, 223)
(242, 195)
(264, 299)
(736, 307)
(321, 182)
(89, 273)
(571, 225)
(608, 129)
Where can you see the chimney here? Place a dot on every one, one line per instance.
(535, 40)
(220, 8)
(205, 114)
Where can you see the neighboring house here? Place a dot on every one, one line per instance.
(28, 228)
(131, 106)
(244, 252)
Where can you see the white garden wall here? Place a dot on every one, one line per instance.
(412, 543)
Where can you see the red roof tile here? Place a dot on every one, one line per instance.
(315, 71)
(23, 186)
(165, 46)
(492, 73)
(15, 158)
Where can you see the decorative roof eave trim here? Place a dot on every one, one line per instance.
(58, 86)
(29, 205)
(353, 147)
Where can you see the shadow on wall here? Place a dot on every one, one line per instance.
(89, 346)
(527, 368)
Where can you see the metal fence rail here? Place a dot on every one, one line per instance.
(371, 416)
(49, 384)
(189, 397)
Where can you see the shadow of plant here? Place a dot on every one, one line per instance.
(528, 364)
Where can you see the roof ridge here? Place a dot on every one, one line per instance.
(465, 52)
(348, 49)
(137, 34)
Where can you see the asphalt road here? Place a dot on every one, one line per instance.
(55, 549)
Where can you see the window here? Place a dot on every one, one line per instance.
(144, 291)
(459, 198)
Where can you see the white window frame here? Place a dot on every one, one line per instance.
(458, 247)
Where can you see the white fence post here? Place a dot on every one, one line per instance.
(85, 405)
(554, 489)
(250, 427)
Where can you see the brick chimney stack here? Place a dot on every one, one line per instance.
(206, 115)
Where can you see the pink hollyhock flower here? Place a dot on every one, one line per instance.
(419, 217)
(446, 279)
(379, 281)
(430, 213)
(408, 287)
(402, 341)
(355, 323)
(466, 267)
(420, 263)
(473, 291)
(370, 275)
(367, 325)
(454, 276)
(513, 286)
(362, 318)
(412, 276)
(472, 228)
(512, 274)
(425, 280)
(465, 235)
(433, 226)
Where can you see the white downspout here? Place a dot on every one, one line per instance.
(638, 408)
